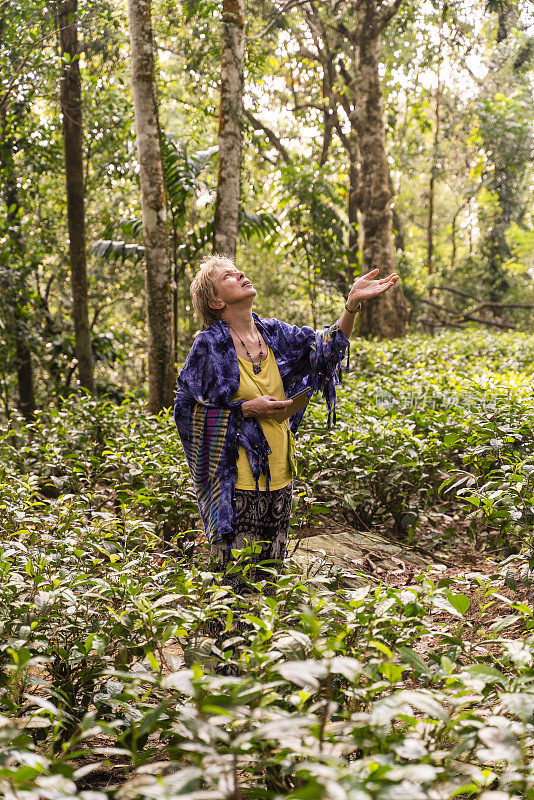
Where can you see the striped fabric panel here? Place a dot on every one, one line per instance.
(198, 427)
(209, 429)
(216, 424)
(213, 519)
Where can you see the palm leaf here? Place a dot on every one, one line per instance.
(262, 225)
(195, 241)
(109, 249)
(181, 171)
(131, 228)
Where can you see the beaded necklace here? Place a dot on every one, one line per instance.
(256, 367)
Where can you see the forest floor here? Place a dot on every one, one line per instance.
(443, 548)
(442, 543)
(431, 628)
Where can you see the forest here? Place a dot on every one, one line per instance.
(311, 141)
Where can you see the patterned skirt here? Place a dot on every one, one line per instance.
(259, 519)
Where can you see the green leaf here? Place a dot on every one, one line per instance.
(486, 672)
(519, 703)
(382, 647)
(460, 602)
(152, 660)
(392, 672)
(414, 659)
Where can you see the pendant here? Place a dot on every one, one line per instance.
(256, 368)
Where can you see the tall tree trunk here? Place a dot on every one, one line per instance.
(350, 142)
(502, 31)
(329, 116)
(470, 228)
(23, 359)
(399, 242)
(161, 376)
(453, 234)
(431, 190)
(71, 108)
(385, 316)
(435, 154)
(226, 222)
(352, 210)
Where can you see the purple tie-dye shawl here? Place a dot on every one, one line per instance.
(211, 425)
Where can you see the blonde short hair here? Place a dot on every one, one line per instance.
(204, 287)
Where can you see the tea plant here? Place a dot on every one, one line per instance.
(108, 601)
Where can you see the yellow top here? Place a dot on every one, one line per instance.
(268, 381)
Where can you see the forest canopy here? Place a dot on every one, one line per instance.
(454, 103)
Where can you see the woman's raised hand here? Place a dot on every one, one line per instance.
(365, 287)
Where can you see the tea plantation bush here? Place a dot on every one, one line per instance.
(426, 418)
(106, 667)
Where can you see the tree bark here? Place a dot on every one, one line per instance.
(226, 222)
(71, 109)
(430, 223)
(453, 233)
(435, 155)
(352, 213)
(385, 316)
(23, 359)
(399, 242)
(161, 376)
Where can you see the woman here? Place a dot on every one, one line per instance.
(238, 375)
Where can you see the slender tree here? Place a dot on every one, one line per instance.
(161, 376)
(505, 131)
(347, 44)
(226, 221)
(71, 108)
(352, 208)
(329, 45)
(18, 265)
(434, 167)
(385, 316)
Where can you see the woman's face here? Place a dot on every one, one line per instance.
(232, 287)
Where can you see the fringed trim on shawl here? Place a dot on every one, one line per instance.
(330, 382)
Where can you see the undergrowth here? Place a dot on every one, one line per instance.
(106, 666)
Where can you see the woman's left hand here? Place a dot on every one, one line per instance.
(365, 287)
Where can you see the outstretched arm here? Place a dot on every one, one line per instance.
(362, 289)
